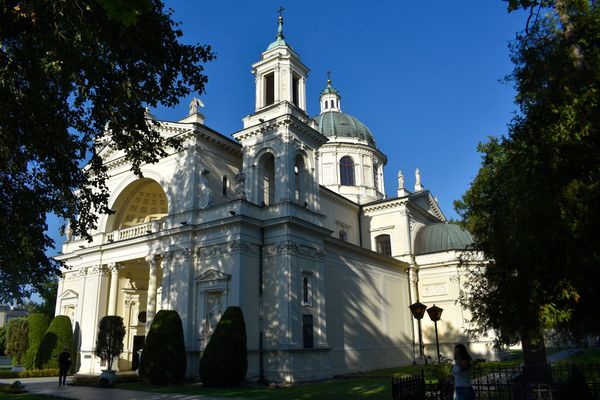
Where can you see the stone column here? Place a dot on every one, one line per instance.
(166, 281)
(151, 304)
(114, 288)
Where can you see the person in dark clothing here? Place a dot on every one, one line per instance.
(64, 363)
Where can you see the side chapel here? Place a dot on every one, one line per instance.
(288, 220)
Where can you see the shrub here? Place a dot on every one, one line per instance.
(109, 343)
(2, 339)
(58, 336)
(38, 323)
(163, 358)
(225, 361)
(16, 339)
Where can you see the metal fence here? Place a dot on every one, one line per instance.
(565, 382)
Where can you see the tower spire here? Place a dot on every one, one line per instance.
(280, 24)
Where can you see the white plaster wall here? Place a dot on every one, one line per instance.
(368, 323)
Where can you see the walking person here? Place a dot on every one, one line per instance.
(461, 370)
(64, 363)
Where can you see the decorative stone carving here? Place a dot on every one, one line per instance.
(237, 246)
(240, 187)
(195, 105)
(205, 199)
(289, 247)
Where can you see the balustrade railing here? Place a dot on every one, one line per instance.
(134, 231)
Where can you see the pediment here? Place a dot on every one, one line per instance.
(213, 275)
(69, 294)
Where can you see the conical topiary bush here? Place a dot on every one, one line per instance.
(224, 361)
(58, 337)
(163, 358)
(38, 324)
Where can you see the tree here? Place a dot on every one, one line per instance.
(109, 343)
(47, 291)
(16, 339)
(533, 206)
(75, 76)
(38, 324)
(224, 361)
(163, 358)
(59, 336)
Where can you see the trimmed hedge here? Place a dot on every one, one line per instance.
(224, 361)
(2, 339)
(58, 336)
(38, 324)
(16, 339)
(29, 373)
(163, 358)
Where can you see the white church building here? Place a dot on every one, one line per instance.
(289, 220)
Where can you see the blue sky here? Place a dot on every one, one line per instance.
(423, 76)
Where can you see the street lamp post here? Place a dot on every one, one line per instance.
(435, 313)
(418, 311)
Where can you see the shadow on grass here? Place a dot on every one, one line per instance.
(342, 389)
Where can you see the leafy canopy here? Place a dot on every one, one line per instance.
(534, 205)
(75, 74)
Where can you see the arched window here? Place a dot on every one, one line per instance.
(266, 182)
(376, 176)
(299, 177)
(383, 245)
(225, 185)
(347, 171)
(326, 104)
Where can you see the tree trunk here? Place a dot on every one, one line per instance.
(536, 368)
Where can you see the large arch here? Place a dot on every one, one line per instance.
(141, 201)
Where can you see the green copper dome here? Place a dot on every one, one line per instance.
(436, 238)
(335, 123)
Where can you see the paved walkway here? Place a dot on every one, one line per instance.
(49, 386)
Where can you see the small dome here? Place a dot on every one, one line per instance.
(334, 123)
(440, 237)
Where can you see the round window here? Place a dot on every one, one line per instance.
(142, 317)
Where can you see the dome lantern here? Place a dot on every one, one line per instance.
(330, 97)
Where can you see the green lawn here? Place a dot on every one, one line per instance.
(342, 389)
(590, 355)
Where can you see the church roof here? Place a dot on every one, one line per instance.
(436, 238)
(335, 123)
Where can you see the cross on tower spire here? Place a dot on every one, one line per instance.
(280, 23)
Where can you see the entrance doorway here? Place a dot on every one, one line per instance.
(138, 344)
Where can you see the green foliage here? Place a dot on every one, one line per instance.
(109, 343)
(224, 361)
(76, 75)
(58, 337)
(47, 291)
(163, 358)
(533, 206)
(29, 373)
(16, 339)
(38, 323)
(2, 339)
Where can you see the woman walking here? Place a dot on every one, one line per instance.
(461, 370)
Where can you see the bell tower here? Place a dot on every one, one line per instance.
(280, 141)
(280, 75)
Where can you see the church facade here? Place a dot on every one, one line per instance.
(288, 220)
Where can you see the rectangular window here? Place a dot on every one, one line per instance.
(269, 89)
(307, 331)
(305, 290)
(295, 90)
